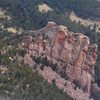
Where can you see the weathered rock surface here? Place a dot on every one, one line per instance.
(72, 52)
(67, 86)
(3, 70)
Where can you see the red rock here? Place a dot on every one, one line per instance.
(66, 49)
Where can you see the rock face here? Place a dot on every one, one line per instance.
(67, 86)
(72, 52)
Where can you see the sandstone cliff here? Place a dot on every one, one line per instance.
(72, 53)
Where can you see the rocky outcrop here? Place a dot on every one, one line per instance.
(28, 60)
(3, 69)
(67, 86)
(72, 52)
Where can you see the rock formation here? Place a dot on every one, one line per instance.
(72, 52)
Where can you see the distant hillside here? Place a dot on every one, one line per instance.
(25, 13)
(85, 22)
(83, 8)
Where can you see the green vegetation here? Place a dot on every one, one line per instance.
(25, 13)
(44, 62)
(21, 83)
(83, 8)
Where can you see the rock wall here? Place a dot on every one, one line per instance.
(72, 52)
(67, 86)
